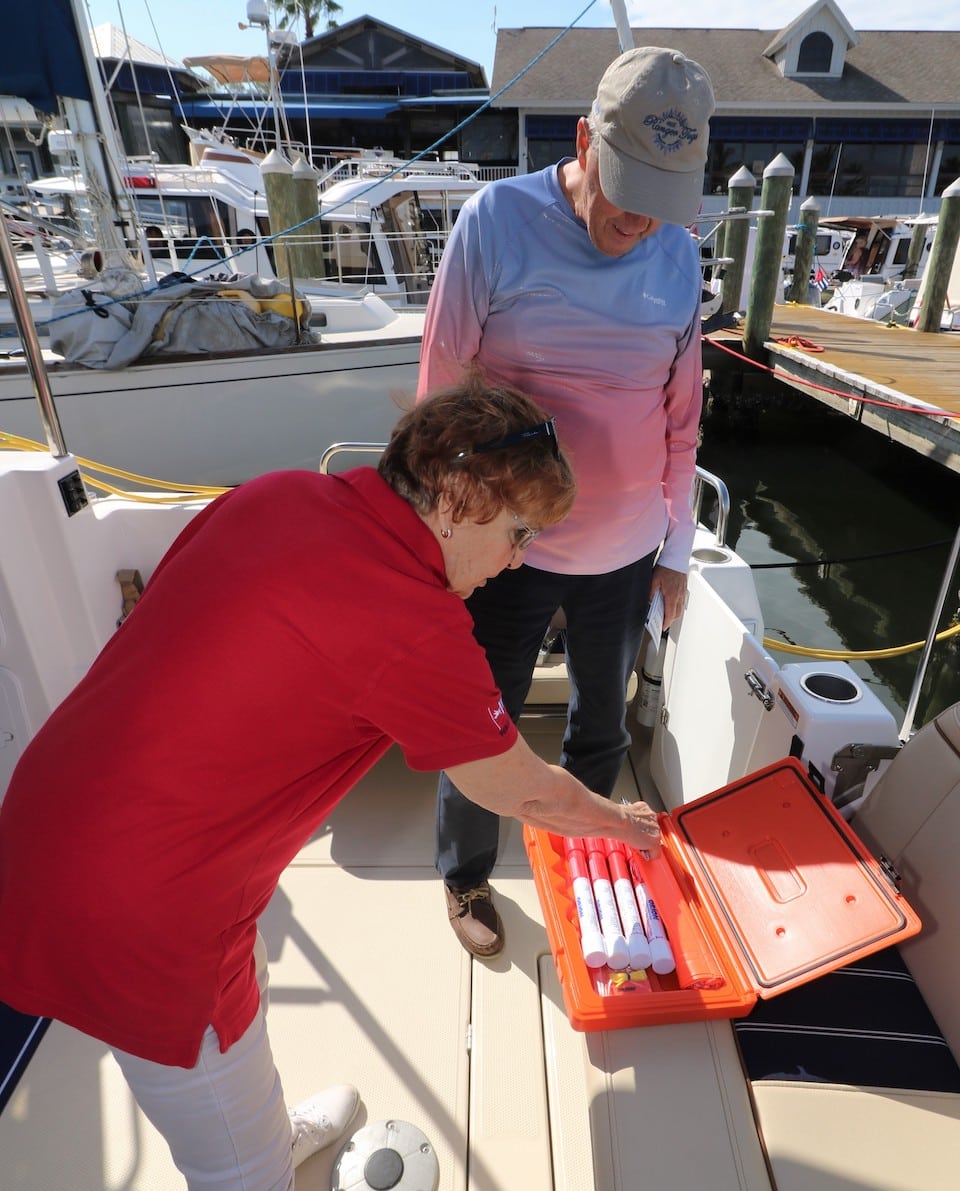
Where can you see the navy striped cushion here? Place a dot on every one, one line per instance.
(19, 1037)
(866, 1024)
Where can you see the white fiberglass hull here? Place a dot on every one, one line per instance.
(219, 421)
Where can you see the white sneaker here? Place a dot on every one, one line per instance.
(323, 1118)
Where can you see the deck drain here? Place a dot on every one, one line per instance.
(387, 1156)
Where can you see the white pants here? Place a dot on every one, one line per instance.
(225, 1119)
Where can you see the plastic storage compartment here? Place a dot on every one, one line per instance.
(825, 706)
(761, 885)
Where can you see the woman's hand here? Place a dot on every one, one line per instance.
(641, 828)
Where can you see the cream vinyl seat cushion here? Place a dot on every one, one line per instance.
(900, 1132)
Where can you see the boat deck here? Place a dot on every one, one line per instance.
(369, 985)
(881, 375)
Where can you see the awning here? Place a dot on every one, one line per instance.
(232, 68)
(316, 109)
(423, 101)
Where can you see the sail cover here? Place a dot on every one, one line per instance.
(44, 59)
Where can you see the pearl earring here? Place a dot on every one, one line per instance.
(446, 533)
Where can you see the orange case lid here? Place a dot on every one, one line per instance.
(769, 887)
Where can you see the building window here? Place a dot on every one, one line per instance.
(878, 170)
(949, 167)
(816, 54)
(726, 157)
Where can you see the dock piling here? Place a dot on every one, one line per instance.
(936, 276)
(740, 190)
(803, 253)
(775, 196)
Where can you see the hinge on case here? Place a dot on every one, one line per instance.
(888, 870)
(469, 1038)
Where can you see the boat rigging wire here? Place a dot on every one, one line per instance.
(829, 562)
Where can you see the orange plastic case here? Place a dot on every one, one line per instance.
(761, 886)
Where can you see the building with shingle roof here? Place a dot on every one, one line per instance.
(870, 120)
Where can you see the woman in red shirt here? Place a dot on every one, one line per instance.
(299, 626)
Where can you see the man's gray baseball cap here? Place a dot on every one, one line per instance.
(652, 112)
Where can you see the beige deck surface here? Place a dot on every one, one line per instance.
(369, 985)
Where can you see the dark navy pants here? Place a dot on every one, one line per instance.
(604, 616)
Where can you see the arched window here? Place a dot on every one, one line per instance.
(816, 54)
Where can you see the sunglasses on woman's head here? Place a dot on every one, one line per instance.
(545, 430)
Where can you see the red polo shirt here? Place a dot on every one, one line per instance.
(295, 629)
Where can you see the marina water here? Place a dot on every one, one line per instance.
(869, 523)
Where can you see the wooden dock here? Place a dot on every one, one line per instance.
(900, 382)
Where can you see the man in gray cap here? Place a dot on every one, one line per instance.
(580, 285)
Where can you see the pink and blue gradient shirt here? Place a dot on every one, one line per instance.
(610, 346)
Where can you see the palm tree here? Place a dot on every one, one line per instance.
(311, 11)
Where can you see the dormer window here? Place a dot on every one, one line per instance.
(816, 54)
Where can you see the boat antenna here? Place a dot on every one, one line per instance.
(833, 182)
(926, 162)
(622, 21)
(258, 14)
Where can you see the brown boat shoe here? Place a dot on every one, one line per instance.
(475, 920)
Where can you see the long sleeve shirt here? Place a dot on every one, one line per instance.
(610, 346)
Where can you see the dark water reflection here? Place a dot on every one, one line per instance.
(808, 484)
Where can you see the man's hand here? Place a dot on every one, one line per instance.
(673, 586)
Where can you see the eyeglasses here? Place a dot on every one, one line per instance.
(545, 430)
(522, 535)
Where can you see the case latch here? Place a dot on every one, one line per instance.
(759, 688)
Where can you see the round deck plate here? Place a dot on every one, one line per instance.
(387, 1156)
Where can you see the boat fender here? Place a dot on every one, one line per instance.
(651, 682)
(91, 264)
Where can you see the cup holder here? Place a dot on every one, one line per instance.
(711, 554)
(831, 688)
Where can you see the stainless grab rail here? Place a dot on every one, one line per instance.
(31, 345)
(338, 448)
(704, 479)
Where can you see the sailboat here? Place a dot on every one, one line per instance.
(208, 417)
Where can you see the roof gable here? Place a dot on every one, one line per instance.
(825, 14)
(815, 43)
(368, 44)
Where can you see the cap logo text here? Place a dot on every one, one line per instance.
(671, 130)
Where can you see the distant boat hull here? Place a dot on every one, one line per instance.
(221, 420)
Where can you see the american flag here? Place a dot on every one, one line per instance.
(820, 279)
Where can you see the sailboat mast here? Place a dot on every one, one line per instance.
(101, 153)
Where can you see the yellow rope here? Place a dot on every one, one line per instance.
(841, 655)
(194, 491)
(199, 491)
